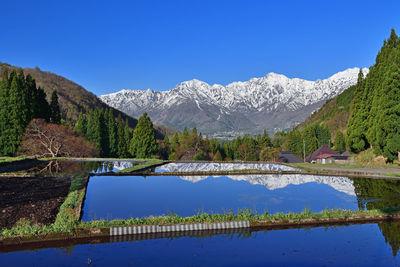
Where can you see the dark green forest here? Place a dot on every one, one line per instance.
(21, 101)
(367, 114)
(375, 116)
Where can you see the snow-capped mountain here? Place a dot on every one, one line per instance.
(277, 181)
(273, 102)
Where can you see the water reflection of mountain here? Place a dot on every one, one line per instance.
(276, 181)
(212, 166)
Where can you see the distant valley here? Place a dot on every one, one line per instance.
(273, 102)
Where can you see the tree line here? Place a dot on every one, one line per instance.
(375, 112)
(20, 102)
(114, 138)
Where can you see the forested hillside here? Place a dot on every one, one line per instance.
(369, 112)
(73, 98)
(375, 117)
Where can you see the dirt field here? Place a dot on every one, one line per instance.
(37, 199)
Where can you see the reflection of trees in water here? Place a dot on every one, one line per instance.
(391, 232)
(380, 194)
(65, 166)
(377, 193)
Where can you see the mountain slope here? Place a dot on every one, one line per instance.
(334, 114)
(273, 102)
(72, 97)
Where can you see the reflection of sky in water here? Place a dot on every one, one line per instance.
(355, 245)
(124, 197)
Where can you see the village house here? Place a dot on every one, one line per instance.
(326, 155)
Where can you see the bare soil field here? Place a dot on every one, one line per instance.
(36, 199)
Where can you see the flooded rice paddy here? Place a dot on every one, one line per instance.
(76, 166)
(110, 197)
(355, 245)
(211, 166)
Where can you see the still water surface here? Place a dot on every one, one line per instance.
(111, 197)
(355, 245)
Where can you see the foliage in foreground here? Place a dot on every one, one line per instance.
(24, 227)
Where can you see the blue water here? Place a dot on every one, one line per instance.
(356, 245)
(79, 166)
(135, 196)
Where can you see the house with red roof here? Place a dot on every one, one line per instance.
(326, 155)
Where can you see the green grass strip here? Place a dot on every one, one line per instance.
(65, 222)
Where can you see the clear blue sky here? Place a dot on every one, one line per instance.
(109, 45)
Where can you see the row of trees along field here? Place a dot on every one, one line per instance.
(20, 102)
(30, 125)
(192, 145)
(375, 116)
(114, 138)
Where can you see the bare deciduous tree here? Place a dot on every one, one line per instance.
(42, 139)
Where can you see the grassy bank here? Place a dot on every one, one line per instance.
(67, 222)
(13, 159)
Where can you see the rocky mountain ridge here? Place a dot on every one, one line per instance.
(273, 102)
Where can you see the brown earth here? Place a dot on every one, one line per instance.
(36, 199)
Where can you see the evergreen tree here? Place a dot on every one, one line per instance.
(4, 113)
(112, 134)
(310, 139)
(121, 140)
(16, 117)
(81, 124)
(265, 140)
(55, 113)
(143, 143)
(96, 131)
(340, 143)
(32, 106)
(388, 118)
(356, 132)
(42, 107)
(128, 137)
(294, 143)
(23, 99)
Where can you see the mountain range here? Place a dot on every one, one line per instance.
(273, 102)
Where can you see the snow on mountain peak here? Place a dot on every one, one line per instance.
(268, 94)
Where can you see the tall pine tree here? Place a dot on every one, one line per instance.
(55, 113)
(143, 143)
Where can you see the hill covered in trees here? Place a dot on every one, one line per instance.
(368, 113)
(73, 98)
